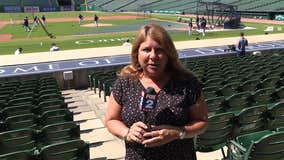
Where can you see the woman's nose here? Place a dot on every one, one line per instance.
(153, 54)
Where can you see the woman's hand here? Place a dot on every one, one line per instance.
(160, 135)
(136, 132)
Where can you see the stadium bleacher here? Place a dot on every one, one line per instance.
(247, 101)
(36, 124)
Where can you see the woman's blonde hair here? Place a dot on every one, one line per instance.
(160, 35)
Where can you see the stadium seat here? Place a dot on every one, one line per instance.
(217, 135)
(228, 89)
(262, 96)
(59, 132)
(17, 140)
(16, 110)
(237, 101)
(21, 121)
(249, 85)
(210, 91)
(213, 82)
(275, 115)
(56, 116)
(74, 149)
(18, 155)
(19, 101)
(263, 145)
(278, 95)
(51, 104)
(249, 120)
(269, 82)
(51, 96)
(214, 105)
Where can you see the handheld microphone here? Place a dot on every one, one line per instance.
(148, 103)
(148, 100)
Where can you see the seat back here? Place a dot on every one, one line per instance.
(18, 155)
(263, 96)
(21, 121)
(268, 147)
(17, 140)
(74, 149)
(237, 101)
(214, 105)
(60, 132)
(218, 132)
(250, 119)
(56, 116)
(277, 116)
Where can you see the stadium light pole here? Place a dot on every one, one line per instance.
(86, 5)
(197, 3)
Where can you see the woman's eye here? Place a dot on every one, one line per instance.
(146, 50)
(159, 50)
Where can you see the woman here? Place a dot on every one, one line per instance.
(179, 112)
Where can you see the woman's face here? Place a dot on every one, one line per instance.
(152, 58)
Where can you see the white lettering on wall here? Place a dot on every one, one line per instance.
(25, 70)
(86, 63)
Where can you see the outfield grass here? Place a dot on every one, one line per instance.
(65, 31)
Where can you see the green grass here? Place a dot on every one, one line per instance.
(64, 31)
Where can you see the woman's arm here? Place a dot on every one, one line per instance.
(115, 125)
(198, 118)
(113, 119)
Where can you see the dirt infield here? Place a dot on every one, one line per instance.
(7, 37)
(93, 25)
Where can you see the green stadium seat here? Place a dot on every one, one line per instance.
(278, 95)
(17, 140)
(210, 91)
(237, 101)
(249, 120)
(74, 149)
(16, 110)
(21, 121)
(51, 104)
(60, 132)
(214, 105)
(249, 85)
(19, 101)
(56, 116)
(276, 115)
(269, 82)
(263, 96)
(228, 89)
(18, 155)
(217, 135)
(264, 145)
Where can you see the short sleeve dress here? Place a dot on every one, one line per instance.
(172, 108)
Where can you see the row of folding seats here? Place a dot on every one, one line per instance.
(242, 100)
(237, 87)
(32, 91)
(103, 80)
(41, 128)
(266, 145)
(219, 69)
(74, 149)
(227, 126)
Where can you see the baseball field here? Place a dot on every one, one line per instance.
(113, 29)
